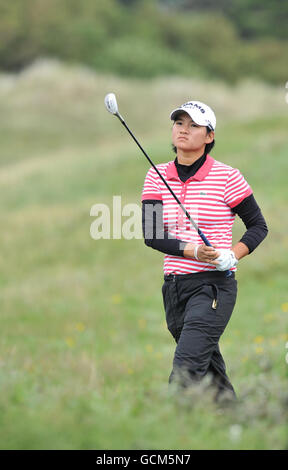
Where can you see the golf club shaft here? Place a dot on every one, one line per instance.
(200, 233)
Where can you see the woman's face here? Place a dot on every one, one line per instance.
(188, 136)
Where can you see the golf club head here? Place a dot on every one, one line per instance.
(111, 106)
(111, 103)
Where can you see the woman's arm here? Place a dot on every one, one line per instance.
(153, 229)
(250, 213)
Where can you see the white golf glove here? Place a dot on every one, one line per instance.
(227, 260)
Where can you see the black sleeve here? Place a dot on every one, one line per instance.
(153, 230)
(250, 213)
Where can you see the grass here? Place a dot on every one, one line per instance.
(84, 350)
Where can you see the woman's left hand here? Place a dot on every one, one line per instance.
(226, 260)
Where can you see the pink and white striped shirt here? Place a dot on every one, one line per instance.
(208, 196)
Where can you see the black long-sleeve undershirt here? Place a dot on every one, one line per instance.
(156, 237)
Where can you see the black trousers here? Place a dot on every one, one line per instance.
(198, 307)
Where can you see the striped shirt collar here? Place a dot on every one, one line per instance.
(172, 174)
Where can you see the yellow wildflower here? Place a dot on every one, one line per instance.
(116, 299)
(258, 339)
(159, 355)
(79, 326)
(268, 318)
(259, 350)
(70, 341)
(244, 359)
(142, 322)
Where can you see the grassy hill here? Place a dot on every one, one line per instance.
(84, 350)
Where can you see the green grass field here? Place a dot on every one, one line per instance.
(85, 354)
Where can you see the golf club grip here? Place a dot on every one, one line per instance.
(205, 240)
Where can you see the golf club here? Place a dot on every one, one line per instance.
(112, 107)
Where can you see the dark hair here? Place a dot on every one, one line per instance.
(208, 147)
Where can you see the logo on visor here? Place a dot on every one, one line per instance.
(190, 104)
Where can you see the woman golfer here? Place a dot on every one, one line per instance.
(198, 295)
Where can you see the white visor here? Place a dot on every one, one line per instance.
(199, 112)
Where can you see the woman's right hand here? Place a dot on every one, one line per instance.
(205, 254)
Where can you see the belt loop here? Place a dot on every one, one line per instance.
(170, 277)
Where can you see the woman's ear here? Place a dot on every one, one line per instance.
(210, 137)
